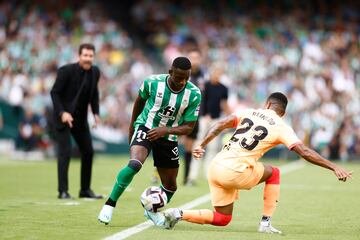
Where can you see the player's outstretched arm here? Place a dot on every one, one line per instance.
(313, 157)
(216, 129)
(137, 109)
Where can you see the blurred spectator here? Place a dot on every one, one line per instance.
(29, 136)
(214, 105)
(1, 120)
(198, 78)
(37, 39)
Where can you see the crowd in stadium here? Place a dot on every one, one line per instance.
(313, 56)
(35, 43)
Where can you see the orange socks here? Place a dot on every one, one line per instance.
(203, 216)
(271, 197)
(271, 193)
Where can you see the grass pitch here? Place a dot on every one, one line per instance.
(313, 205)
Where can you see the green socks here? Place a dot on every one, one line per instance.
(169, 193)
(123, 180)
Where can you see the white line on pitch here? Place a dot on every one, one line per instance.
(287, 168)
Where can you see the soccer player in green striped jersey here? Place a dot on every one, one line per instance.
(167, 106)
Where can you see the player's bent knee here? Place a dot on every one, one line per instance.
(275, 176)
(221, 219)
(135, 165)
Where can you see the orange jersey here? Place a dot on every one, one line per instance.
(257, 131)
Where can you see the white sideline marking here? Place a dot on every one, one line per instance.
(287, 168)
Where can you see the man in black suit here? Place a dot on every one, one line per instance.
(74, 89)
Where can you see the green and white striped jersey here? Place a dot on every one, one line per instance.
(165, 107)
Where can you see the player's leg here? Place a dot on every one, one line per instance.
(63, 152)
(82, 137)
(271, 177)
(138, 155)
(168, 181)
(168, 176)
(222, 200)
(212, 148)
(220, 217)
(195, 164)
(139, 151)
(169, 186)
(188, 146)
(166, 160)
(189, 141)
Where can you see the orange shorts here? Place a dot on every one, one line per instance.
(225, 183)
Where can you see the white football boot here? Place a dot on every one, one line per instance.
(265, 227)
(157, 218)
(172, 216)
(106, 214)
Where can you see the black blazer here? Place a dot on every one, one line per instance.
(64, 93)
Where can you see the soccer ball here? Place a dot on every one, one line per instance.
(153, 198)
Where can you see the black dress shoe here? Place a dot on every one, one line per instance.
(89, 194)
(64, 195)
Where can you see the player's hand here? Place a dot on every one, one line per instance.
(67, 118)
(156, 133)
(198, 152)
(342, 174)
(97, 121)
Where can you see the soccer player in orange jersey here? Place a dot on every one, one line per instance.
(237, 167)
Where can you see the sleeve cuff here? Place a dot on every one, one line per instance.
(236, 121)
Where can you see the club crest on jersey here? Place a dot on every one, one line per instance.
(167, 112)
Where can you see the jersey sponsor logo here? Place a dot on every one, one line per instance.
(168, 112)
(159, 95)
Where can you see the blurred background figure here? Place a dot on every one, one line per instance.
(74, 90)
(214, 105)
(198, 78)
(1, 120)
(30, 131)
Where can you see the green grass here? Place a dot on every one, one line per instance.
(313, 205)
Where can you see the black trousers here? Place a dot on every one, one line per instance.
(81, 134)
